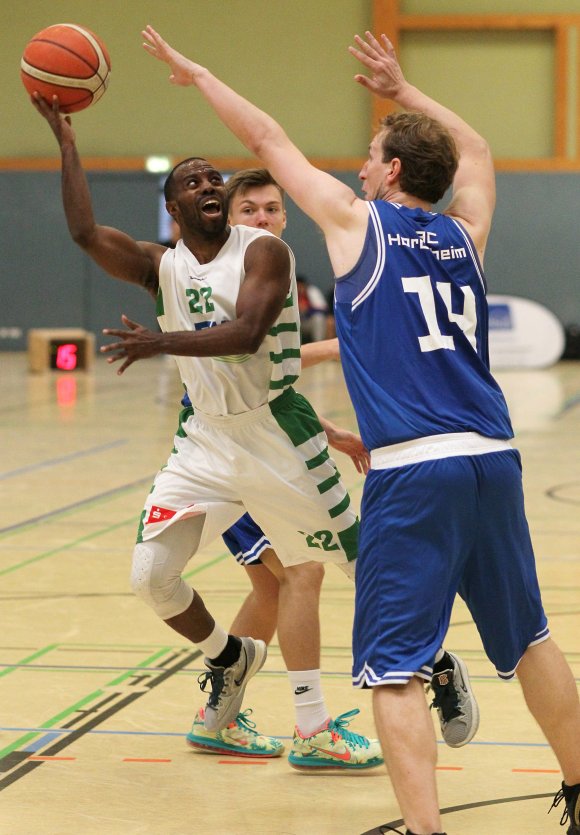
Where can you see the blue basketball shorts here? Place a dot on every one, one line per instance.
(246, 541)
(430, 530)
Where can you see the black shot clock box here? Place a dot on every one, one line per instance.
(60, 349)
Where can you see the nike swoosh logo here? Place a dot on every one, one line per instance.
(244, 673)
(344, 756)
(302, 689)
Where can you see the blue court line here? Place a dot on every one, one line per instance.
(36, 745)
(51, 734)
(51, 462)
(98, 497)
(570, 403)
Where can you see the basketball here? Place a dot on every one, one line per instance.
(67, 61)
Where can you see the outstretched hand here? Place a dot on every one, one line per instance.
(350, 444)
(386, 79)
(182, 69)
(61, 125)
(137, 343)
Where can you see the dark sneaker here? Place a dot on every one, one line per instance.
(454, 700)
(229, 683)
(571, 813)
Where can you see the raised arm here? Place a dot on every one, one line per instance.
(329, 202)
(117, 253)
(473, 198)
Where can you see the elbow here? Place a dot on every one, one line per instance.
(481, 149)
(253, 343)
(83, 237)
(251, 340)
(270, 137)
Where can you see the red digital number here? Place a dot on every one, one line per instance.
(66, 357)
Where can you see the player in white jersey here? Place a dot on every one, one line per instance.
(443, 457)
(227, 303)
(256, 200)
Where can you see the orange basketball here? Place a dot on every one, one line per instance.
(67, 61)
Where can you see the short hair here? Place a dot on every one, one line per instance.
(242, 181)
(427, 151)
(168, 186)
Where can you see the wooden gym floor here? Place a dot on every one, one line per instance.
(97, 693)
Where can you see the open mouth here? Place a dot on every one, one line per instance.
(211, 207)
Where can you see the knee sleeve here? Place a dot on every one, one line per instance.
(157, 567)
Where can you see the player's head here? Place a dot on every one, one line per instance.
(419, 149)
(256, 199)
(195, 197)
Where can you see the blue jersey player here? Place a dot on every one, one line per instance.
(443, 509)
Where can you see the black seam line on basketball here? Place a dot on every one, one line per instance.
(450, 809)
(71, 52)
(58, 746)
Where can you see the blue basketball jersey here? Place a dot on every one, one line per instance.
(412, 322)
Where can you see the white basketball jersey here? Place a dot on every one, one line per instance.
(193, 296)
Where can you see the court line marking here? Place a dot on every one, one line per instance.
(50, 462)
(380, 830)
(145, 760)
(9, 668)
(18, 762)
(68, 545)
(95, 535)
(551, 493)
(243, 762)
(76, 506)
(51, 759)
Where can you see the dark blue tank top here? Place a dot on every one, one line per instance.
(412, 322)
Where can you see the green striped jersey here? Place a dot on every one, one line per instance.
(193, 296)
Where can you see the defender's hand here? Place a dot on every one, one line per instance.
(182, 69)
(386, 79)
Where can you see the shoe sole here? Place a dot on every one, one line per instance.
(475, 707)
(323, 765)
(208, 748)
(260, 655)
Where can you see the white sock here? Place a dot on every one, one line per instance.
(214, 643)
(309, 706)
(439, 655)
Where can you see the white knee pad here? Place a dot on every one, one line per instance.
(156, 585)
(158, 565)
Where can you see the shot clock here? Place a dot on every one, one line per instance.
(60, 349)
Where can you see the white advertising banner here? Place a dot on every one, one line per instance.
(523, 333)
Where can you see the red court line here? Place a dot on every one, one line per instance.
(144, 760)
(536, 770)
(242, 762)
(449, 768)
(52, 759)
